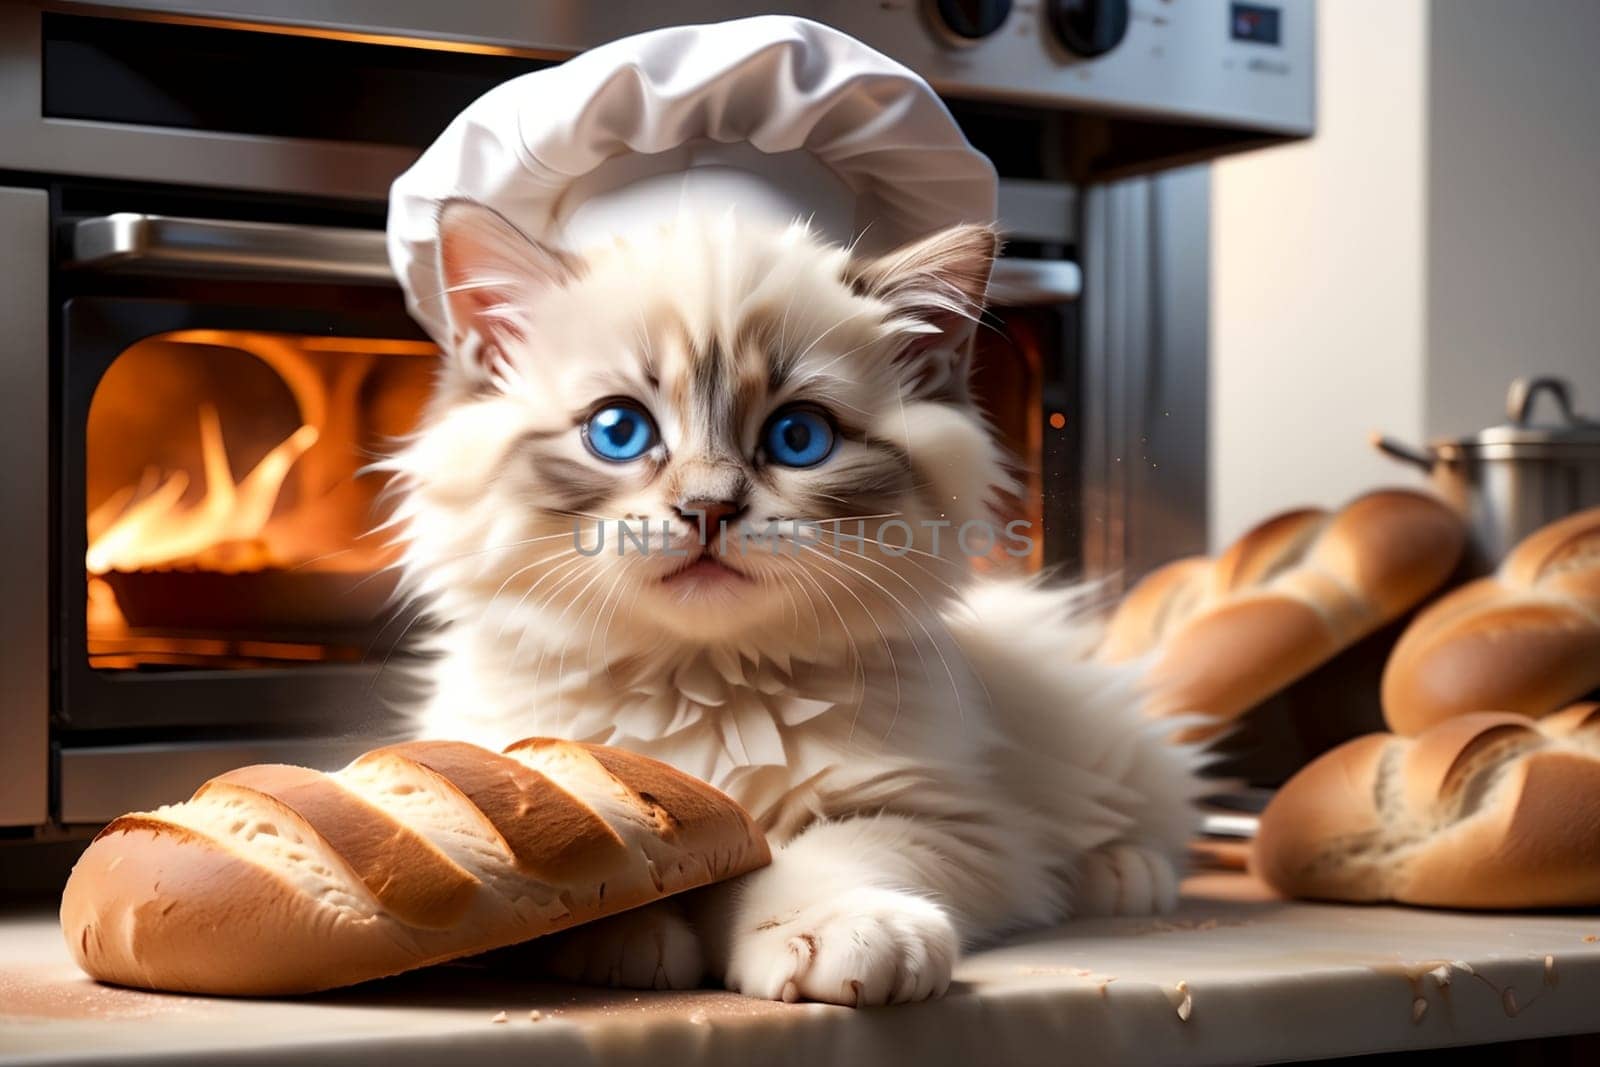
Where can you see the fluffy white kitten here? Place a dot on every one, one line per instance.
(930, 752)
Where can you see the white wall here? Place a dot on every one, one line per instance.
(1318, 256)
(1513, 204)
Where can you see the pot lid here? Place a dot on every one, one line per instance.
(1526, 427)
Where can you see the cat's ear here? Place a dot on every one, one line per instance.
(491, 272)
(935, 287)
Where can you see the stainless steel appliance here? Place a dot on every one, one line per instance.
(191, 199)
(1510, 480)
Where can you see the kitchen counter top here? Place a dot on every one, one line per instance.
(1234, 976)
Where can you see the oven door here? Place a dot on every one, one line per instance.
(222, 386)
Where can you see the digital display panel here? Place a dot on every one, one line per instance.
(1256, 23)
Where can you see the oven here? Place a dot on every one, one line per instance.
(203, 345)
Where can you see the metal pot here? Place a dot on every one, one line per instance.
(1508, 481)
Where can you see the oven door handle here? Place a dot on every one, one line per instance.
(164, 244)
(1018, 283)
(129, 241)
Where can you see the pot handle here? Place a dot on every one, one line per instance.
(1403, 452)
(1524, 394)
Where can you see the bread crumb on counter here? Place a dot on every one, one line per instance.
(1186, 1005)
(535, 1015)
(499, 1017)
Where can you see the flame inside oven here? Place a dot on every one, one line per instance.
(147, 525)
(226, 523)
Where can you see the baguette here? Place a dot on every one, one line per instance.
(1526, 639)
(1485, 810)
(1286, 597)
(276, 880)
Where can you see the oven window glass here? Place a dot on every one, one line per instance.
(1007, 368)
(229, 524)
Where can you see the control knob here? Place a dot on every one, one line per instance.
(1089, 28)
(970, 20)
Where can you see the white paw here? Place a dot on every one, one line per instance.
(1126, 880)
(652, 947)
(858, 948)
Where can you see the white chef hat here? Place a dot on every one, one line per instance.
(780, 116)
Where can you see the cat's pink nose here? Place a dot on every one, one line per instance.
(709, 515)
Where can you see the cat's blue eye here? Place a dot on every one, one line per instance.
(619, 432)
(799, 437)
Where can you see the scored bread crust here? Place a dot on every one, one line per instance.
(1286, 597)
(280, 880)
(1526, 639)
(1485, 810)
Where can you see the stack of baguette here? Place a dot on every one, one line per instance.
(1526, 639)
(276, 879)
(1485, 795)
(1484, 810)
(1223, 635)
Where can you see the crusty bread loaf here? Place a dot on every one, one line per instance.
(1526, 639)
(1485, 810)
(275, 879)
(1287, 596)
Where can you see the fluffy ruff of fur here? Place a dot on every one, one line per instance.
(933, 753)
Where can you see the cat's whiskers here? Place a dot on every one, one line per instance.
(505, 546)
(514, 575)
(955, 591)
(561, 663)
(561, 681)
(778, 577)
(959, 598)
(888, 649)
(816, 617)
(647, 351)
(336, 553)
(564, 584)
(456, 557)
(817, 340)
(605, 640)
(573, 569)
(841, 356)
(955, 688)
(777, 582)
(911, 549)
(859, 672)
(419, 609)
(372, 686)
(373, 575)
(525, 568)
(783, 324)
(570, 514)
(574, 560)
(851, 518)
(574, 572)
(588, 652)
